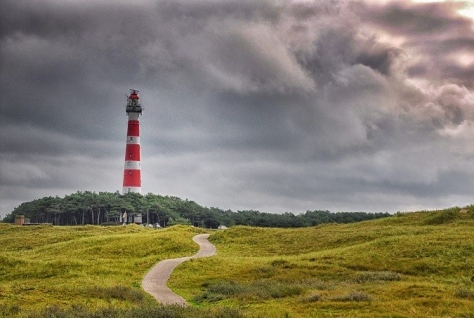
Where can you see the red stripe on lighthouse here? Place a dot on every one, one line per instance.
(132, 152)
(132, 178)
(133, 128)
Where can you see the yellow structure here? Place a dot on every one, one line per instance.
(19, 219)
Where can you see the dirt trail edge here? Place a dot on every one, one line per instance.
(155, 280)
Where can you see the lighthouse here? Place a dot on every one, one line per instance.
(132, 181)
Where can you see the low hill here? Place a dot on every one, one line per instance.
(85, 271)
(409, 265)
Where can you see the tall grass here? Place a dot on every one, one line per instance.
(151, 311)
(414, 264)
(56, 271)
(258, 290)
(410, 265)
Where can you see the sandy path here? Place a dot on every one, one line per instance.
(155, 280)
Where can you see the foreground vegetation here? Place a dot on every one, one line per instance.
(82, 208)
(87, 271)
(409, 265)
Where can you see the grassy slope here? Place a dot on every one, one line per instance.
(413, 265)
(410, 265)
(88, 266)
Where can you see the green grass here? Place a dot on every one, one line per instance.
(48, 271)
(410, 265)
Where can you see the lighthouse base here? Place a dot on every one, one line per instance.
(131, 190)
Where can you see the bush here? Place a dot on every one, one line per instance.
(353, 296)
(117, 292)
(159, 311)
(464, 293)
(442, 217)
(265, 289)
(312, 298)
(284, 290)
(9, 310)
(227, 288)
(370, 276)
(282, 263)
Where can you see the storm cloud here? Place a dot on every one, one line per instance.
(269, 105)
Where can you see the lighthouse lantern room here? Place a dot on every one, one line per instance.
(132, 171)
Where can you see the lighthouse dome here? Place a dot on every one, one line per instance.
(133, 102)
(133, 98)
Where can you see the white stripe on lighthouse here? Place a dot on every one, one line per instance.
(133, 139)
(133, 116)
(131, 190)
(132, 165)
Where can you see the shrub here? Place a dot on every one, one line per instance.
(370, 276)
(314, 283)
(464, 293)
(284, 290)
(312, 298)
(9, 310)
(264, 271)
(227, 288)
(117, 292)
(264, 289)
(155, 311)
(282, 263)
(353, 296)
(442, 217)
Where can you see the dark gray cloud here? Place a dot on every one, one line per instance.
(417, 19)
(269, 105)
(433, 31)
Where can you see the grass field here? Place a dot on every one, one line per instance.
(84, 271)
(410, 265)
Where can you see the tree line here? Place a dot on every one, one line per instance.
(106, 208)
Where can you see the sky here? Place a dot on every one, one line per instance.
(277, 106)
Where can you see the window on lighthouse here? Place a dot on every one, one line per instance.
(129, 172)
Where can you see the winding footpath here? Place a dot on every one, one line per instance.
(155, 280)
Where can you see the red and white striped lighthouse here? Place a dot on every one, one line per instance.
(132, 181)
